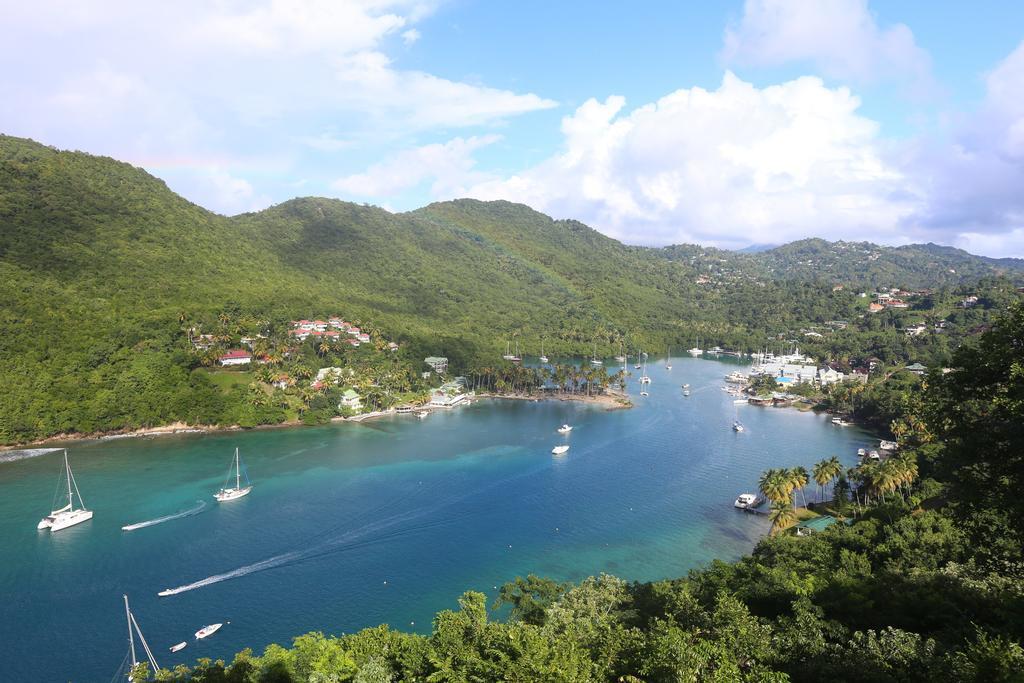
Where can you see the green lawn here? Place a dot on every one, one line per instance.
(229, 379)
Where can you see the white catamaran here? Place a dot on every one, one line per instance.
(67, 515)
(227, 493)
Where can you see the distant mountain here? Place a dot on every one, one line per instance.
(756, 248)
(101, 267)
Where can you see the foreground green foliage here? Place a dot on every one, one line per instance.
(926, 585)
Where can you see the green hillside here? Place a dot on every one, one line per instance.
(104, 272)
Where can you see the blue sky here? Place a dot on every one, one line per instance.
(726, 123)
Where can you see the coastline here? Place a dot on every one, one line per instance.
(610, 401)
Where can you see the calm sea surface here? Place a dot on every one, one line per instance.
(353, 525)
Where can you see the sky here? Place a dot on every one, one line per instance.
(724, 123)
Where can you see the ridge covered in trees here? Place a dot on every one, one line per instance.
(105, 275)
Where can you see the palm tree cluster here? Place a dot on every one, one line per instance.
(779, 485)
(826, 472)
(563, 379)
(876, 479)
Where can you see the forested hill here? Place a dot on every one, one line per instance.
(103, 268)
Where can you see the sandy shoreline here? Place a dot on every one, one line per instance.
(611, 401)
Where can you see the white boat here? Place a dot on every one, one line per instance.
(564, 429)
(595, 360)
(422, 414)
(543, 358)
(620, 358)
(668, 359)
(207, 631)
(514, 357)
(68, 515)
(133, 629)
(888, 445)
(696, 350)
(746, 500)
(737, 426)
(861, 452)
(686, 386)
(736, 377)
(643, 392)
(558, 450)
(644, 379)
(237, 491)
(180, 646)
(839, 422)
(738, 401)
(874, 455)
(686, 392)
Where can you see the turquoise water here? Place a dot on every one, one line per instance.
(352, 525)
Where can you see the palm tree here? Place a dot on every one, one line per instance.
(822, 474)
(798, 477)
(781, 516)
(773, 485)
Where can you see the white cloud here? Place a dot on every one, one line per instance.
(411, 36)
(839, 37)
(422, 100)
(230, 80)
(449, 165)
(732, 166)
(971, 182)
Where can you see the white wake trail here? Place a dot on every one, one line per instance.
(160, 520)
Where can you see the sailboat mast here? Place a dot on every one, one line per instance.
(131, 637)
(238, 472)
(67, 466)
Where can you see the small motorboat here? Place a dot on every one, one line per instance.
(861, 452)
(738, 401)
(737, 426)
(686, 386)
(564, 429)
(422, 414)
(746, 500)
(207, 631)
(874, 455)
(180, 646)
(643, 392)
(559, 450)
(686, 392)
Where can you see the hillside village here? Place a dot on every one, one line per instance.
(319, 369)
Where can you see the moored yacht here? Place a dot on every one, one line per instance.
(565, 429)
(68, 515)
(559, 450)
(207, 631)
(746, 501)
(227, 493)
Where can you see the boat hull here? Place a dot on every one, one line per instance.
(559, 450)
(180, 646)
(68, 519)
(224, 495)
(207, 631)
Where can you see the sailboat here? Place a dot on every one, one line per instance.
(595, 360)
(514, 357)
(67, 515)
(696, 350)
(237, 491)
(644, 379)
(620, 358)
(543, 358)
(668, 359)
(637, 366)
(133, 628)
